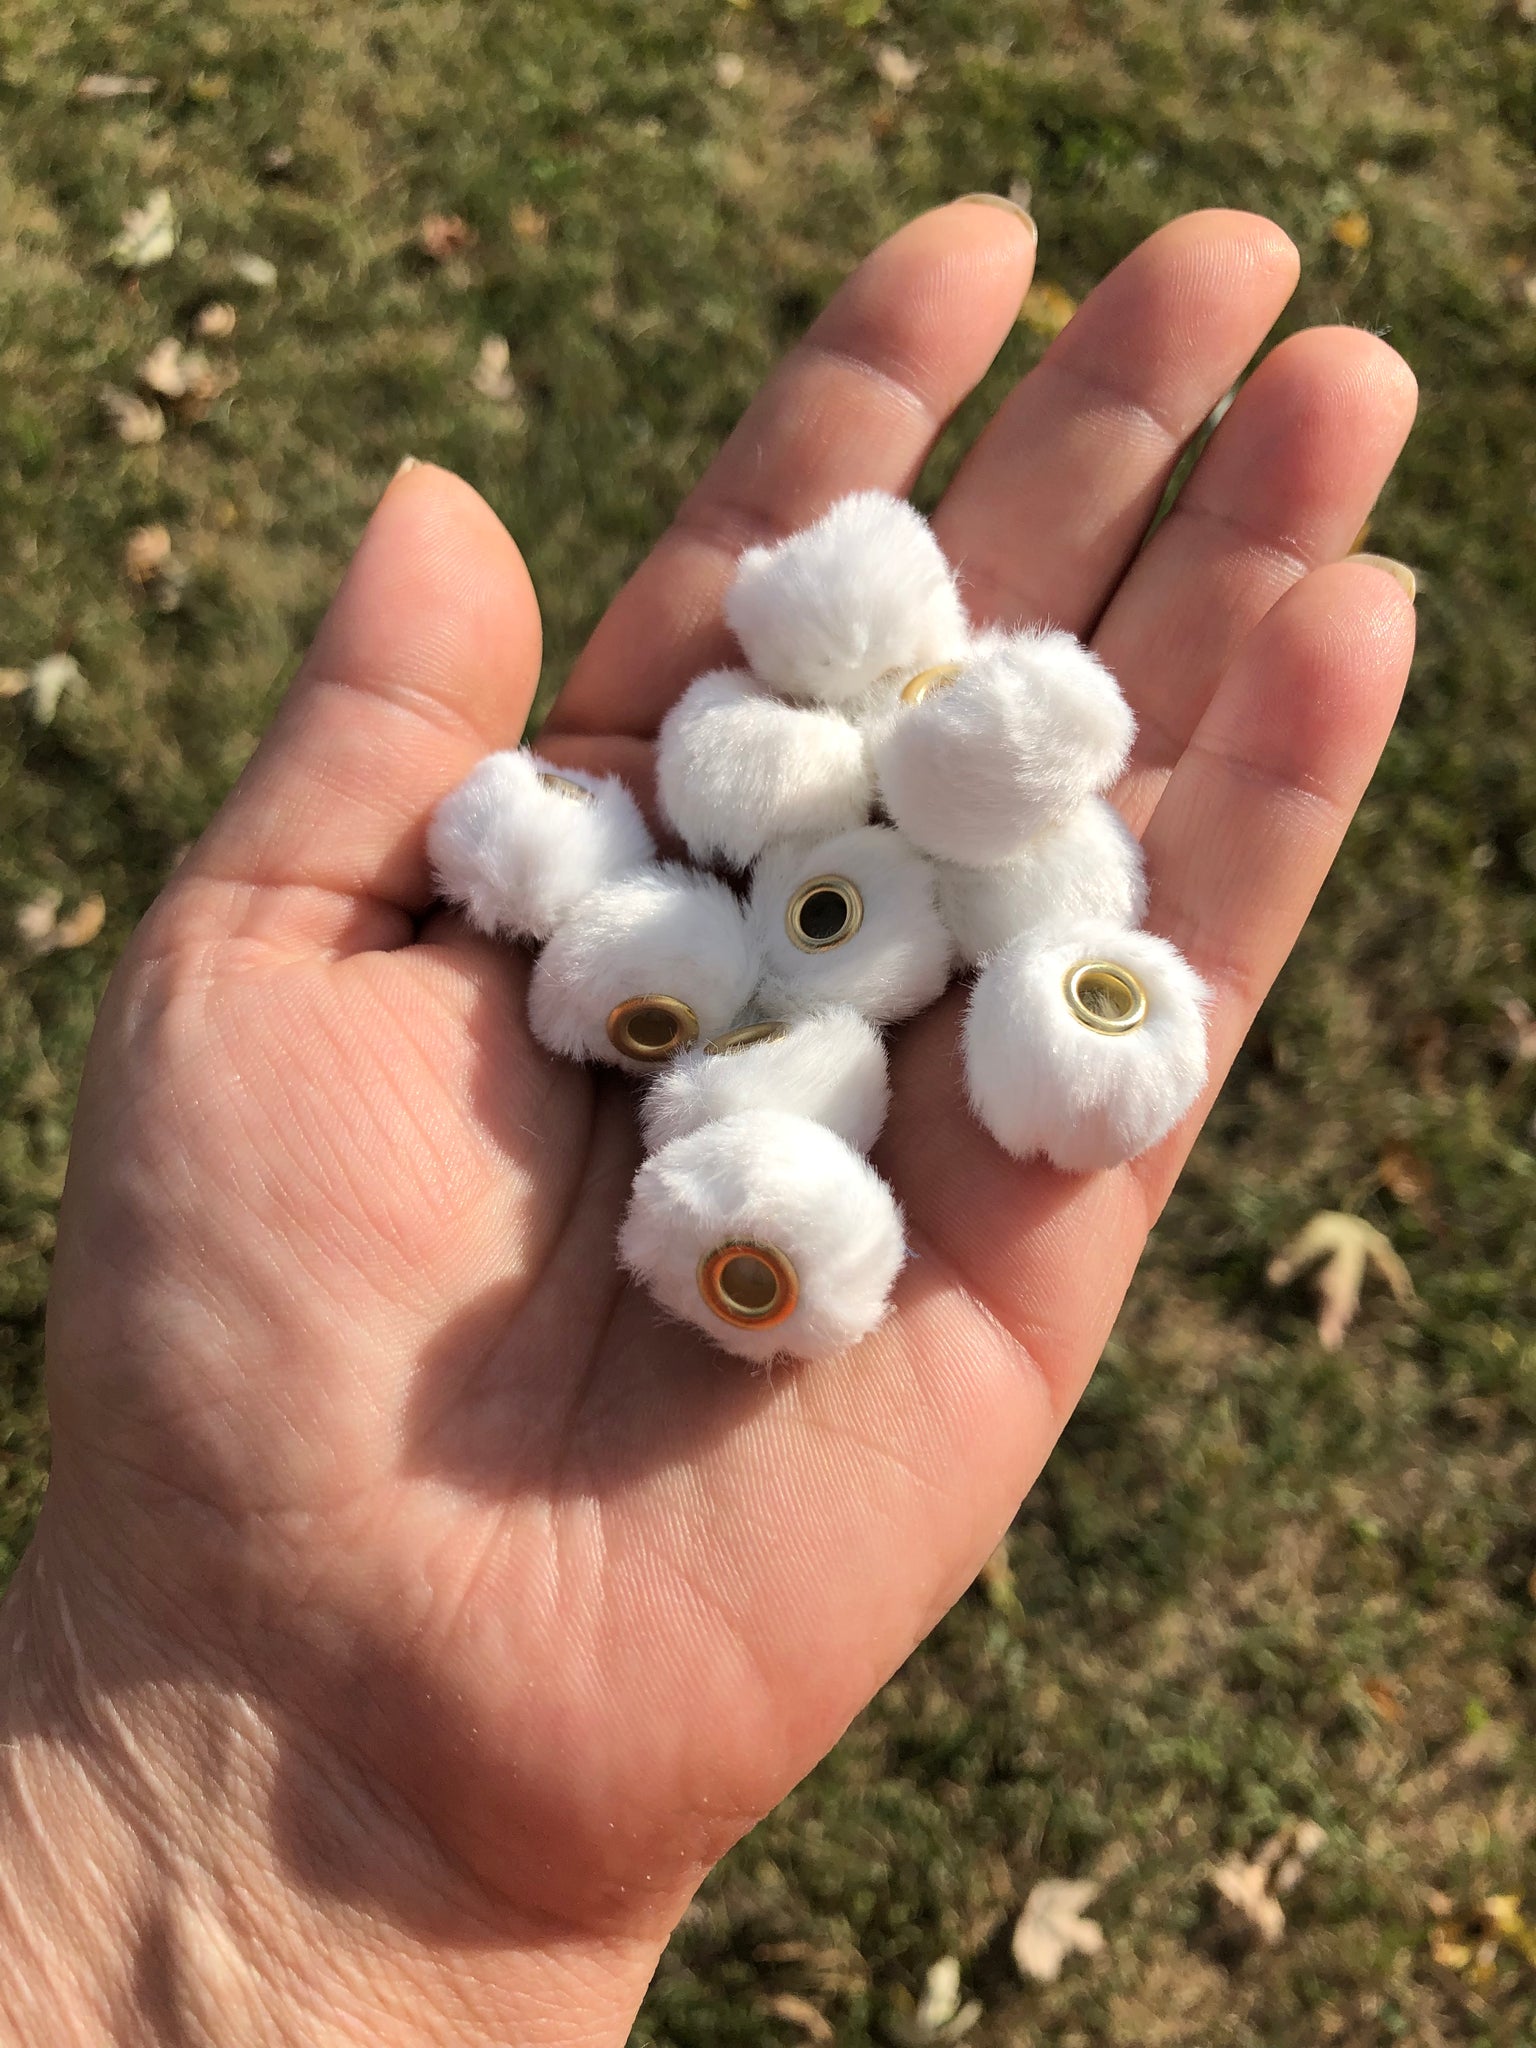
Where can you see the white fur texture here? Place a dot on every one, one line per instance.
(829, 1067)
(866, 588)
(663, 931)
(1088, 867)
(775, 1180)
(1042, 1082)
(894, 965)
(1032, 726)
(737, 769)
(519, 856)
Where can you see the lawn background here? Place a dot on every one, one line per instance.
(1259, 1581)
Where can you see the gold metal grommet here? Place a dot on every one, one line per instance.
(651, 1028)
(752, 1286)
(767, 1033)
(1106, 997)
(823, 912)
(562, 785)
(928, 679)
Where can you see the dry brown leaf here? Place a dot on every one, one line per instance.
(48, 681)
(113, 85)
(1342, 1248)
(1383, 1697)
(260, 272)
(442, 236)
(1521, 1048)
(1351, 230)
(785, 2005)
(730, 70)
(14, 682)
(81, 925)
(215, 322)
(174, 372)
(1244, 1888)
(146, 553)
(35, 921)
(1404, 1174)
(1052, 1927)
(149, 233)
(899, 71)
(492, 375)
(1447, 1951)
(1047, 308)
(134, 420)
(528, 224)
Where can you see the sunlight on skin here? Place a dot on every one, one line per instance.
(489, 1609)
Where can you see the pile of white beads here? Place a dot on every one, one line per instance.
(898, 794)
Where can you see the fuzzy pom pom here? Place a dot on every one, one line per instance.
(1088, 867)
(851, 919)
(737, 769)
(829, 1067)
(663, 944)
(766, 1232)
(1086, 1092)
(1031, 726)
(823, 613)
(520, 842)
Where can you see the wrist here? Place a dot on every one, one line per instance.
(174, 1868)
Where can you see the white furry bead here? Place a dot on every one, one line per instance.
(768, 1233)
(829, 1067)
(520, 842)
(663, 944)
(823, 613)
(1043, 1078)
(850, 919)
(1030, 726)
(737, 769)
(1089, 866)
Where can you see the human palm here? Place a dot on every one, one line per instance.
(356, 1420)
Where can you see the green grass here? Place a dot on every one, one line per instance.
(1258, 1582)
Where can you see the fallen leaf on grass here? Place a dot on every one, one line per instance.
(215, 321)
(899, 71)
(730, 70)
(113, 85)
(528, 224)
(1384, 1699)
(1052, 1927)
(146, 552)
(185, 377)
(442, 236)
(1047, 309)
(42, 929)
(1346, 1246)
(14, 682)
(135, 421)
(257, 271)
(1404, 1174)
(1351, 230)
(492, 375)
(149, 233)
(940, 2016)
(48, 680)
(785, 2005)
(1251, 1890)
(1521, 1049)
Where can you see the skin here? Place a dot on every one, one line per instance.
(414, 1618)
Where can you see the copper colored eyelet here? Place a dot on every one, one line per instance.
(937, 678)
(752, 1286)
(651, 1028)
(747, 1034)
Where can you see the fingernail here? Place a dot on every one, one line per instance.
(1008, 205)
(407, 463)
(1398, 571)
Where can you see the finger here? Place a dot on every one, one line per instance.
(857, 405)
(1288, 480)
(1053, 500)
(1255, 811)
(426, 660)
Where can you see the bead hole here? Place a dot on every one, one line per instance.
(825, 913)
(654, 1030)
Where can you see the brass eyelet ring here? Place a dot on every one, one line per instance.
(823, 912)
(1106, 997)
(651, 1028)
(767, 1033)
(751, 1286)
(937, 678)
(562, 785)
